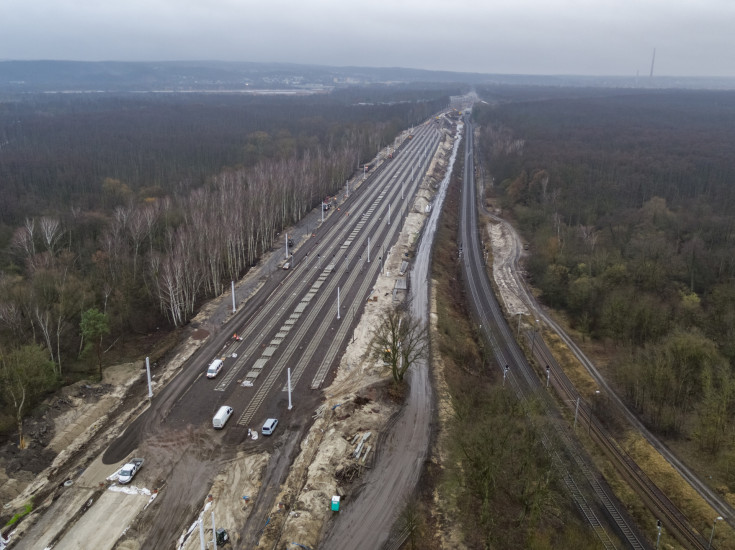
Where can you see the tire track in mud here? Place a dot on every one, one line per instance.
(276, 471)
(193, 454)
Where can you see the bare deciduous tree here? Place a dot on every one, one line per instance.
(400, 340)
(23, 240)
(51, 233)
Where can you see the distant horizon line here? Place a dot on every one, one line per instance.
(397, 68)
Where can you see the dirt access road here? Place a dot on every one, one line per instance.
(367, 523)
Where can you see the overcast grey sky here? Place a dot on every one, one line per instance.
(587, 37)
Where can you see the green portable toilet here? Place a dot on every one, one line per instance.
(335, 504)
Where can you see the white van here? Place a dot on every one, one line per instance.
(269, 426)
(223, 415)
(214, 368)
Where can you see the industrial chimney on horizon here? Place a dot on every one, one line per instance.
(653, 60)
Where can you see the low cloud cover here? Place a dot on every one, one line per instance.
(599, 37)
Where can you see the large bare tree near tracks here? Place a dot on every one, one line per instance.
(399, 340)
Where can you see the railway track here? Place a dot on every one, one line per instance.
(525, 381)
(369, 215)
(591, 495)
(668, 513)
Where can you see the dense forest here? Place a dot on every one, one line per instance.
(56, 149)
(627, 199)
(122, 213)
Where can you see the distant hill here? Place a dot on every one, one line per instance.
(183, 76)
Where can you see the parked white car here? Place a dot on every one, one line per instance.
(127, 472)
(269, 426)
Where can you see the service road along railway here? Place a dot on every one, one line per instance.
(292, 323)
(589, 492)
(367, 523)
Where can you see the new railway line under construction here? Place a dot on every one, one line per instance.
(333, 267)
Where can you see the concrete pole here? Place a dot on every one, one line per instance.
(148, 372)
(202, 544)
(322, 209)
(718, 518)
(338, 317)
(233, 296)
(214, 533)
(548, 375)
(289, 389)
(348, 189)
(287, 246)
(576, 413)
(388, 213)
(368, 249)
(518, 332)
